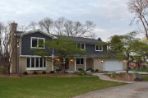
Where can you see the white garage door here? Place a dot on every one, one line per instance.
(113, 65)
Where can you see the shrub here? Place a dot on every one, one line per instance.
(52, 72)
(113, 75)
(25, 73)
(35, 73)
(81, 71)
(44, 72)
(97, 70)
(90, 69)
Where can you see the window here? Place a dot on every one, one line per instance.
(98, 48)
(34, 42)
(81, 46)
(28, 62)
(79, 61)
(36, 63)
(37, 42)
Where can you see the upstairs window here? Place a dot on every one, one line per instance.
(98, 48)
(38, 43)
(81, 46)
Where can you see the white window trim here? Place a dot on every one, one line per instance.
(29, 69)
(36, 68)
(99, 46)
(37, 43)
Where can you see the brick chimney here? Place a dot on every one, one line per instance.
(13, 48)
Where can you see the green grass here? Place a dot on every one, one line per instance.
(145, 69)
(50, 87)
(145, 77)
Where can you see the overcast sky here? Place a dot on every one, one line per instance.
(110, 16)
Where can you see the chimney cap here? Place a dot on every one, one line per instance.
(14, 23)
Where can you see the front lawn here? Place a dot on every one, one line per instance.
(50, 87)
(145, 77)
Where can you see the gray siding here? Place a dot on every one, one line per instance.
(26, 44)
(90, 50)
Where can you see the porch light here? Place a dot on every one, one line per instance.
(102, 61)
(58, 60)
(71, 60)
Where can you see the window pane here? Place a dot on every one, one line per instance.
(28, 62)
(78, 61)
(41, 62)
(41, 43)
(44, 62)
(34, 42)
(97, 47)
(32, 62)
(82, 46)
(82, 61)
(37, 62)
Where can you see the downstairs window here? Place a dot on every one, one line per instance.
(36, 63)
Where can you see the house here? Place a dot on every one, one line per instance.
(25, 45)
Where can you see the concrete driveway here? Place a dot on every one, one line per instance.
(134, 90)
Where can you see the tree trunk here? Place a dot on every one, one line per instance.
(144, 26)
(127, 66)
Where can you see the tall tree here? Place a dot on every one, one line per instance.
(122, 46)
(140, 8)
(64, 47)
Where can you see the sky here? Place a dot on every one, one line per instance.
(110, 16)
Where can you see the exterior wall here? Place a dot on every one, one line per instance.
(89, 63)
(22, 64)
(72, 65)
(26, 43)
(97, 64)
(49, 65)
(90, 49)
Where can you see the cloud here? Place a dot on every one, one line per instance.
(110, 16)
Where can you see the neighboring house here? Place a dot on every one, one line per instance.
(25, 45)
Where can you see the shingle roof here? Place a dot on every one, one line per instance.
(76, 39)
(86, 40)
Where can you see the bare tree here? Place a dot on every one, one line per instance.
(1, 35)
(140, 9)
(72, 28)
(4, 48)
(59, 26)
(33, 26)
(46, 24)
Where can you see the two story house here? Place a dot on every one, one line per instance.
(25, 45)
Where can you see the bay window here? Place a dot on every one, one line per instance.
(36, 63)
